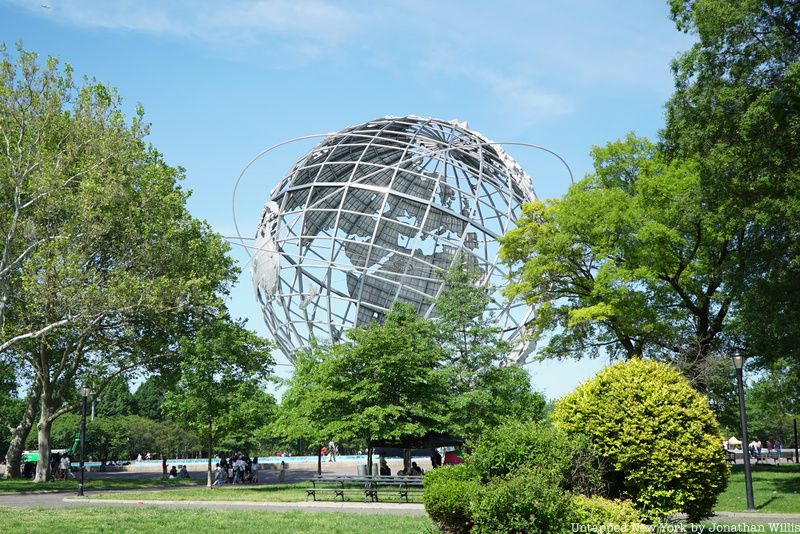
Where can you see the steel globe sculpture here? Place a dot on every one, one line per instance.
(372, 215)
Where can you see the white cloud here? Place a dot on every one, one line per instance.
(527, 57)
(309, 18)
(304, 23)
(519, 93)
(531, 101)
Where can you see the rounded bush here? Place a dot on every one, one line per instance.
(529, 500)
(615, 515)
(446, 494)
(660, 440)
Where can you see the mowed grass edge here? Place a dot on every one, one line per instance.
(105, 519)
(21, 485)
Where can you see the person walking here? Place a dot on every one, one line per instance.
(254, 471)
(66, 467)
(238, 471)
(331, 451)
(163, 467)
(219, 476)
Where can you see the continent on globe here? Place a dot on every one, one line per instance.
(373, 214)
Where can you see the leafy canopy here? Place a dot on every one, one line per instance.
(630, 262)
(385, 384)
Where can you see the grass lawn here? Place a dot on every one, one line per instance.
(20, 485)
(292, 492)
(776, 489)
(88, 519)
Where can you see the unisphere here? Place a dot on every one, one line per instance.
(372, 215)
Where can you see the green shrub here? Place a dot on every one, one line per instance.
(446, 494)
(660, 440)
(502, 450)
(529, 500)
(621, 516)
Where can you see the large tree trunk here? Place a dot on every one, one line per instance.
(20, 433)
(369, 458)
(319, 460)
(45, 424)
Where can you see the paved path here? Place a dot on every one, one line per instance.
(786, 518)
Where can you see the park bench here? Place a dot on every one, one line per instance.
(370, 486)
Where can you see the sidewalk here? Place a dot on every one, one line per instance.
(789, 518)
(308, 506)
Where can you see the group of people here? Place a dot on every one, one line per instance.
(178, 472)
(237, 469)
(147, 456)
(60, 466)
(755, 447)
(413, 471)
(331, 451)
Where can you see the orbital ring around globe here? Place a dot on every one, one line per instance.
(373, 214)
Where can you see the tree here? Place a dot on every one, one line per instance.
(116, 399)
(256, 412)
(11, 406)
(483, 392)
(631, 261)
(736, 111)
(122, 437)
(147, 399)
(222, 371)
(772, 404)
(385, 384)
(94, 288)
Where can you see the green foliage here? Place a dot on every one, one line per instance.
(772, 404)
(499, 394)
(410, 376)
(219, 391)
(447, 493)
(11, 406)
(598, 511)
(255, 411)
(528, 500)
(102, 269)
(630, 262)
(504, 450)
(469, 336)
(116, 399)
(482, 393)
(147, 399)
(736, 111)
(660, 441)
(386, 384)
(122, 437)
(520, 478)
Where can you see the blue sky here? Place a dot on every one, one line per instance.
(222, 80)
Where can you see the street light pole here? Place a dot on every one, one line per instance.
(84, 394)
(738, 363)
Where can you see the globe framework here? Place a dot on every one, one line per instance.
(372, 215)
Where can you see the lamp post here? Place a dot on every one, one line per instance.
(84, 394)
(738, 362)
